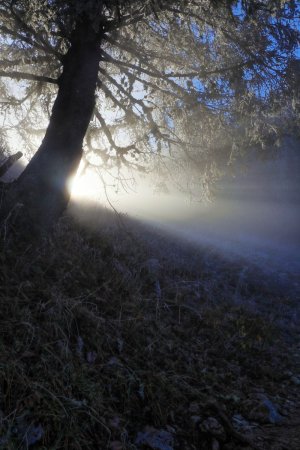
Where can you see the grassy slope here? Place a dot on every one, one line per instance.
(104, 332)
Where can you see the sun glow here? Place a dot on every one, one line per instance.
(86, 185)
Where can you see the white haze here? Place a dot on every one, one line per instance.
(255, 216)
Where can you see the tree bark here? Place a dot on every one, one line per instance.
(42, 188)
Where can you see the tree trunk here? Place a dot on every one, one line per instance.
(42, 188)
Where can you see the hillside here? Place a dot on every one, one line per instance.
(117, 336)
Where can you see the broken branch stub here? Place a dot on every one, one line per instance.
(10, 161)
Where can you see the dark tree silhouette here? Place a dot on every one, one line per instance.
(125, 80)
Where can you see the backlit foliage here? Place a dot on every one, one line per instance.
(182, 84)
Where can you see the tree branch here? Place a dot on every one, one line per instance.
(126, 21)
(120, 150)
(109, 94)
(27, 76)
(37, 36)
(26, 40)
(6, 63)
(145, 108)
(195, 73)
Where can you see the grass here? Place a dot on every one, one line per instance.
(106, 333)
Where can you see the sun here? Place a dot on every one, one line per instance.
(86, 185)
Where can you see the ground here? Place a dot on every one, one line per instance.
(116, 336)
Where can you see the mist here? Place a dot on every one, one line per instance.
(254, 216)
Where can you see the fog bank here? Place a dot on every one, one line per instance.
(255, 216)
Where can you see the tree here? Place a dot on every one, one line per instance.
(123, 80)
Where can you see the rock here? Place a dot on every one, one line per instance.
(28, 433)
(33, 434)
(155, 439)
(114, 361)
(213, 427)
(295, 380)
(241, 424)
(196, 419)
(265, 411)
(116, 445)
(115, 422)
(3, 441)
(79, 346)
(91, 357)
(215, 445)
(194, 407)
